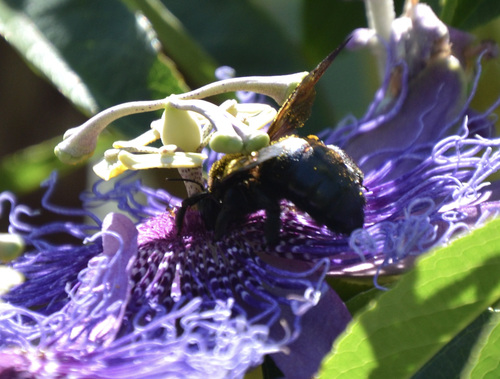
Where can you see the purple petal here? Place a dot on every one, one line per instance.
(319, 328)
(433, 102)
(101, 298)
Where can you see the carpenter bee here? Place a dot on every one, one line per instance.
(318, 179)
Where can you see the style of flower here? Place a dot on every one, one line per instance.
(133, 297)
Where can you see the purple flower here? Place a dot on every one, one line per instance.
(132, 297)
(141, 300)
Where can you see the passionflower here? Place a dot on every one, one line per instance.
(133, 296)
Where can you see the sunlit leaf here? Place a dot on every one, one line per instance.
(406, 326)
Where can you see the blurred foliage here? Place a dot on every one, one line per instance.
(466, 14)
(101, 53)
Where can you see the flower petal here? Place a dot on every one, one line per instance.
(304, 355)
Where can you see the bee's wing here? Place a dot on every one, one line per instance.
(297, 108)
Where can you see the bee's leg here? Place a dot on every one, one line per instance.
(272, 224)
(240, 201)
(209, 208)
(186, 203)
(235, 206)
(272, 207)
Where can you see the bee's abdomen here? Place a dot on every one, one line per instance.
(319, 181)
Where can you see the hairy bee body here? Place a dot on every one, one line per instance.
(318, 179)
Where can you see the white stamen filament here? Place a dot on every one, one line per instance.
(380, 14)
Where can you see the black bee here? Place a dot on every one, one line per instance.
(318, 179)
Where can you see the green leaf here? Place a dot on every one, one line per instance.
(485, 358)
(190, 58)
(452, 358)
(24, 170)
(431, 304)
(348, 86)
(467, 14)
(286, 14)
(448, 9)
(95, 52)
(327, 23)
(239, 34)
(361, 300)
